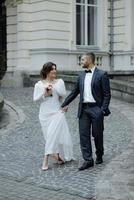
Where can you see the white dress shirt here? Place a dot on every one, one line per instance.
(88, 97)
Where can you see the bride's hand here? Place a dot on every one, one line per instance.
(64, 109)
(48, 91)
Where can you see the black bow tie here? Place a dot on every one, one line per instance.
(88, 71)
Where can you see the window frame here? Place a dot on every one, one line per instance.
(86, 5)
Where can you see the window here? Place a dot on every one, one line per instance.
(86, 22)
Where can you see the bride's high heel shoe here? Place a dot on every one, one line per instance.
(44, 165)
(44, 168)
(59, 160)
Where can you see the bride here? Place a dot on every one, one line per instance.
(58, 143)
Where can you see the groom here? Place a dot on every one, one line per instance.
(94, 89)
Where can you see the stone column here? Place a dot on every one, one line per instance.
(23, 40)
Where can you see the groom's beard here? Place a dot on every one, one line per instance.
(84, 66)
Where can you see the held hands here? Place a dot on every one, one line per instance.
(64, 109)
(48, 91)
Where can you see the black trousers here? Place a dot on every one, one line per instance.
(91, 122)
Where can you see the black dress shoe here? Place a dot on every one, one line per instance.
(99, 160)
(86, 165)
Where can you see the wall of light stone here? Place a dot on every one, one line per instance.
(123, 25)
(39, 31)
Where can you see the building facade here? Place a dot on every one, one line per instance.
(61, 30)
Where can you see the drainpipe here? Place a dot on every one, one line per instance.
(111, 56)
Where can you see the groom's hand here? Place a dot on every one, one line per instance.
(64, 109)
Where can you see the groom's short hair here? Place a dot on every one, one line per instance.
(91, 55)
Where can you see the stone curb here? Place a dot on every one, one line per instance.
(16, 115)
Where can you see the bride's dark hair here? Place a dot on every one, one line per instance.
(47, 67)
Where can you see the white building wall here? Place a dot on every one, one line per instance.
(50, 24)
(132, 19)
(123, 35)
(18, 42)
(39, 31)
(23, 35)
(11, 38)
(46, 31)
(51, 33)
(119, 25)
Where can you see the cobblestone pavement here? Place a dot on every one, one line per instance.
(22, 147)
(116, 181)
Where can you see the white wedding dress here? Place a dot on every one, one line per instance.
(53, 121)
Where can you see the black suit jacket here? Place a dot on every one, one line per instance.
(100, 87)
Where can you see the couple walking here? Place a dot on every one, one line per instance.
(94, 89)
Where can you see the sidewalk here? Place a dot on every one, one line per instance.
(21, 152)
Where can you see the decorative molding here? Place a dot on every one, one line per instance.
(79, 59)
(66, 51)
(132, 60)
(13, 3)
(98, 60)
(125, 53)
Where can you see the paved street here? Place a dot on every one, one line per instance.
(22, 147)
